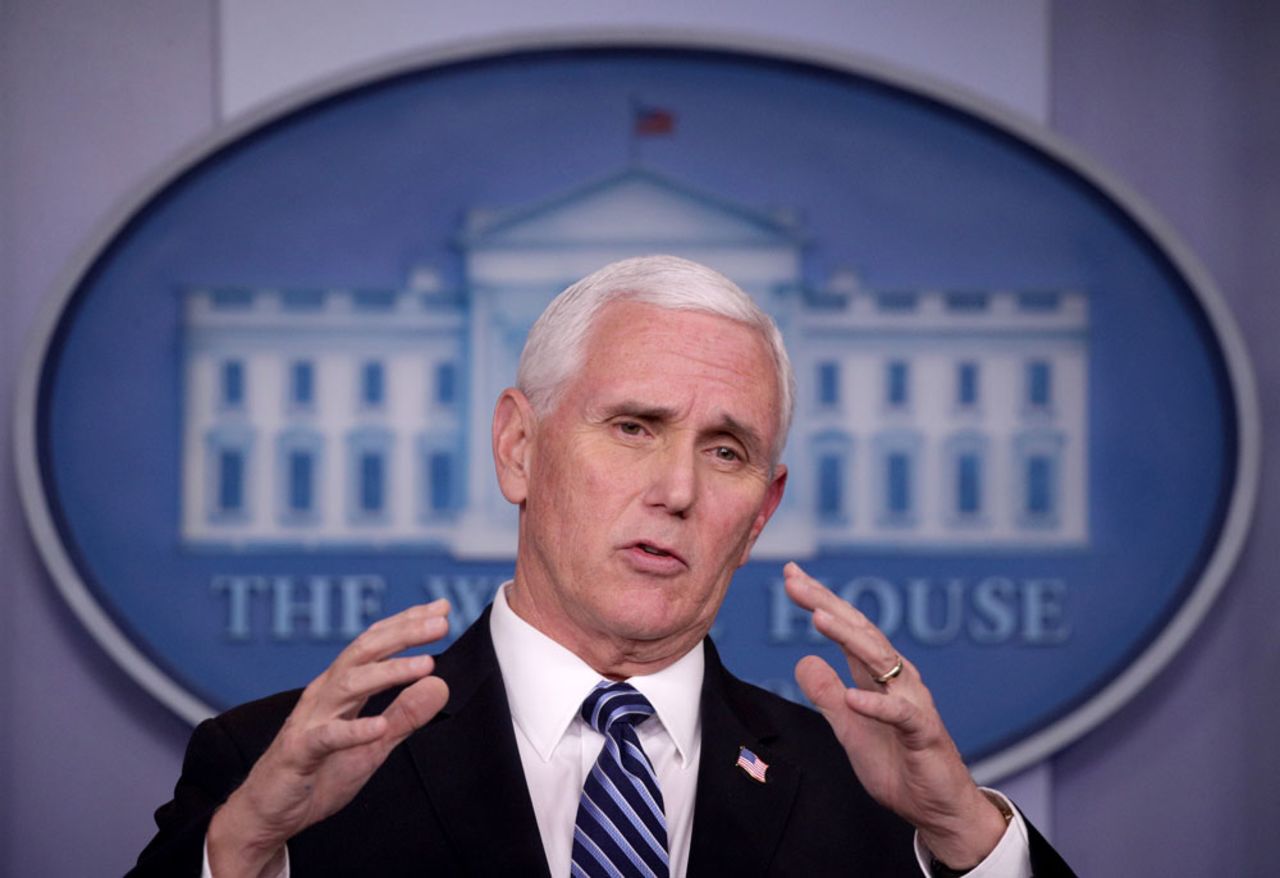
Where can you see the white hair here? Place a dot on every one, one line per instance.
(556, 345)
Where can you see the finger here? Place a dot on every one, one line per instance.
(915, 721)
(807, 591)
(342, 691)
(823, 686)
(350, 687)
(321, 741)
(812, 595)
(869, 652)
(820, 684)
(414, 707)
(416, 626)
(898, 712)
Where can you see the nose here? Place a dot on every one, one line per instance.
(673, 480)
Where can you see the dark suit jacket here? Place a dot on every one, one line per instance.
(451, 800)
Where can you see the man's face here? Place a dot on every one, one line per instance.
(647, 486)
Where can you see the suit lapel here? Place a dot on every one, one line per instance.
(468, 762)
(737, 821)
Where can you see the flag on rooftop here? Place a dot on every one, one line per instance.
(650, 121)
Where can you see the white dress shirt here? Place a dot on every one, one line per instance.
(546, 685)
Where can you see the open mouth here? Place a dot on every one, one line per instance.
(658, 553)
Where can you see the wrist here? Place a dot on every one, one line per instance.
(969, 838)
(237, 845)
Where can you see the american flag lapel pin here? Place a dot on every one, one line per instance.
(753, 765)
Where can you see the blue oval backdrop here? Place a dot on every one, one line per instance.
(261, 416)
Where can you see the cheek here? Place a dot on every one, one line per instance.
(733, 516)
(585, 508)
(603, 483)
(558, 479)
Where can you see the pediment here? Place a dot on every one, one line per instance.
(636, 207)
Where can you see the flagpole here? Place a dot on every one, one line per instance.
(647, 120)
(633, 142)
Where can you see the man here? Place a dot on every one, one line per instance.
(641, 445)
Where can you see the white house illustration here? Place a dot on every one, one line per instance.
(338, 419)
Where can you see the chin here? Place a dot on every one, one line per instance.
(654, 624)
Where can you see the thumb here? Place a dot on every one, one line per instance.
(415, 706)
(821, 685)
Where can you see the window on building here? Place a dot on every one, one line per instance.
(302, 300)
(1039, 300)
(301, 488)
(896, 301)
(372, 384)
(897, 390)
(968, 484)
(446, 384)
(1039, 487)
(896, 473)
(828, 384)
(830, 487)
(967, 384)
(302, 391)
(966, 300)
(372, 482)
(441, 479)
(374, 300)
(231, 481)
(1039, 462)
(897, 499)
(832, 453)
(228, 487)
(232, 299)
(298, 471)
(1039, 384)
(965, 499)
(369, 483)
(231, 392)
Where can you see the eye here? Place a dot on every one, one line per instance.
(630, 428)
(726, 454)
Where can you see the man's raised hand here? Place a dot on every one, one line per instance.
(892, 733)
(326, 751)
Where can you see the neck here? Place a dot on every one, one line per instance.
(612, 657)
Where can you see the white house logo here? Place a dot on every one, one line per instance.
(324, 418)
(1024, 441)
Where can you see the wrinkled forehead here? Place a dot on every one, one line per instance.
(663, 356)
(630, 327)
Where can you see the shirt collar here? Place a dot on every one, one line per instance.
(546, 684)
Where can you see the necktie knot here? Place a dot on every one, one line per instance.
(611, 704)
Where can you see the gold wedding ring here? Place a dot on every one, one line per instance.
(889, 674)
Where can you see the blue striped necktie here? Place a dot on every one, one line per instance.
(621, 830)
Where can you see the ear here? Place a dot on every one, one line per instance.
(772, 497)
(513, 428)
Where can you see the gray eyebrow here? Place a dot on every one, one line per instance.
(640, 410)
(749, 437)
(727, 423)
